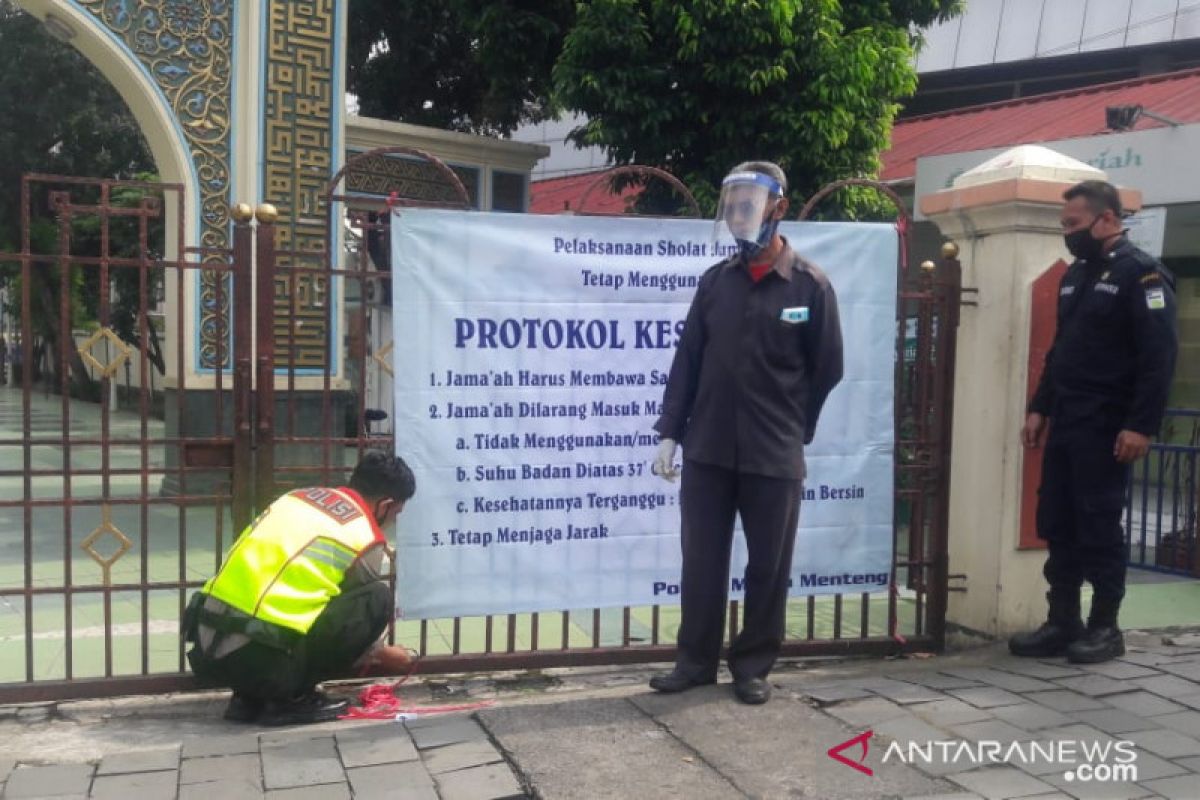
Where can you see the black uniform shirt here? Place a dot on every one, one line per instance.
(751, 373)
(1114, 351)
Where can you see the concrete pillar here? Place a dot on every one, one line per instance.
(1004, 216)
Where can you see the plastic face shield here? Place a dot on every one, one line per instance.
(742, 221)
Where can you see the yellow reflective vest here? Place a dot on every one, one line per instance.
(291, 561)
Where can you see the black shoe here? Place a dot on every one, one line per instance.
(1063, 626)
(310, 707)
(752, 691)
(1099, 644)
(1048, 641)
(243, 709)
(675, 681)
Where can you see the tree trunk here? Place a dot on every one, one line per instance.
(84, 387)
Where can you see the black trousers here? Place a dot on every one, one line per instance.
(1080, 503)
(345, 630)
(710, 497)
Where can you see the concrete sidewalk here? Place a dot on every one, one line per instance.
(599, 733)
(181, 748)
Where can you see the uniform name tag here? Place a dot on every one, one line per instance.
(1066, 291)
(1155, 299)
(794, 315)
(1110, 288)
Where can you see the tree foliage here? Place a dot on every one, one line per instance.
(695, 87)
(466, 65)
(63, 117)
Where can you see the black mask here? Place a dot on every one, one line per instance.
(1081, 243)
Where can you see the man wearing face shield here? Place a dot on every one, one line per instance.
(302, 597)
(760, 351)
(1102, 395)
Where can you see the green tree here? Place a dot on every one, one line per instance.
(695, 87)
(61, 116)
(478, 66)
(125, 281)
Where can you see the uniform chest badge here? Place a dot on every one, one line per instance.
(794, 315)
(1155, 299)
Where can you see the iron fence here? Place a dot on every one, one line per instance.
(1163, 499)
(115, 517)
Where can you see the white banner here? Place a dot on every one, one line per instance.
(530, 357)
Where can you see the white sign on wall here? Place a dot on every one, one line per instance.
(1147, 229)
(1161, 162)
(530, 357)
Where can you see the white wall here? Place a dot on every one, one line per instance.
(565, 158)
(999, 31)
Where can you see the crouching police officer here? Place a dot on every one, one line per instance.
(302, 597)
(1103, 393)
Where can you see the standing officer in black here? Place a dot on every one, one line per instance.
(1103, 391)
(760, 351)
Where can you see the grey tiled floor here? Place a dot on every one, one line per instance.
(447, 757)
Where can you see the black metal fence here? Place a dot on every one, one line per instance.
(1164, 497)
(122, 516)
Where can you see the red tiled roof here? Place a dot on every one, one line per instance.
(555, 195)
(1028, 120)
(1042, 118)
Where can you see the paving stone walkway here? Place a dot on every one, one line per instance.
(1149, 699)
(446, 757)
(600, 733)
(703, 744)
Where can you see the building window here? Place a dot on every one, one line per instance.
(470, 181)
(510, 191)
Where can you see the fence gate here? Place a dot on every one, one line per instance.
(117, 469)
(128, 487)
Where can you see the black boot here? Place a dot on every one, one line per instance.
(1062, 627)
(242, 708)
(1103, 640)
(308, 707)
(676, 681)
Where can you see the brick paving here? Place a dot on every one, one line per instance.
(437, 758)
(1144, 700)
(1139, 698)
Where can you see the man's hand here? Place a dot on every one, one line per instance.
(664, 461)
(1130, 446)
(1034, 431)
(388, 660)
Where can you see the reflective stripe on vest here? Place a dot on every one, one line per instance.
(292, 560)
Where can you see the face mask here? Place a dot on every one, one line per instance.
(1081, 243)
(749, 248)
